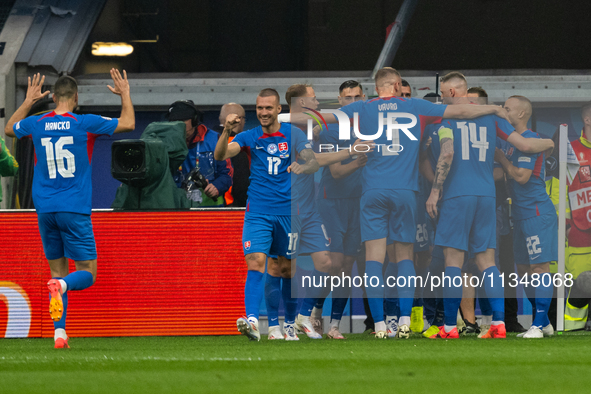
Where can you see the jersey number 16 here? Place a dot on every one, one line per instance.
(56, 154)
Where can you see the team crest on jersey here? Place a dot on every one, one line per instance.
(283, 147)
(272, 149)
(247, 245)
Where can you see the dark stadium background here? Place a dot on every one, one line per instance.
(300, 35)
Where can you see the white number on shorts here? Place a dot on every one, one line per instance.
(532, 245)
(422, 234)
(61, 154)
(469, 136)
(273, 165)
(293, 242)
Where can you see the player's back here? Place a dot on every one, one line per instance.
(471, 172)
(63, 152)
(394, 162)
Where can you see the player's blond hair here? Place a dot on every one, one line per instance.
(525, 104)
(295, 91)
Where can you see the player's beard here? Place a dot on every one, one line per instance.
(266, 122)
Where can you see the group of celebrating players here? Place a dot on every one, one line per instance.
(370, 194)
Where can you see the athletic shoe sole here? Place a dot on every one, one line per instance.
(56, 305)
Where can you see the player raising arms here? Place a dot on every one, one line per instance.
(270, 225)
(468, 213)
(62, 187)
(535, 234)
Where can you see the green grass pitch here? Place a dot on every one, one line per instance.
(360, 364)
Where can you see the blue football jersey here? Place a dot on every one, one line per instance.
(62, 181)
(471, 172)
(269, 191)
(347, 187)
(531, 198)
(394, 162)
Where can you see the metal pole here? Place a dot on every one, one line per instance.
(396, 34)
(562, 153)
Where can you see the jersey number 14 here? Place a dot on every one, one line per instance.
(59, 157)
(477, 139)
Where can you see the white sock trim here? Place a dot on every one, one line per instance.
(60, 333)
(64, 285)
(380, 326)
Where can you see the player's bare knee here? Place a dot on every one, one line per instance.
(255, 261)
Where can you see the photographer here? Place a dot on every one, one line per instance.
(201, 142)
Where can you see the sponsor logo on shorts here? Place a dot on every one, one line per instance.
(247, 245)
(272, 148)
(524, 159)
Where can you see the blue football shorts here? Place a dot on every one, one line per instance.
(276, 235)
(313, 235)
(67, 234)
(535, 240)
(468, 223)
(341, 218)
(390, 214)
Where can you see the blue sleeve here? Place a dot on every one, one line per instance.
(299, 140)
(24, 128)
(96, 124)
(525, 160)
(503, 128)
(243, 139)
(223, 180)
(350, 109)
(427, 108)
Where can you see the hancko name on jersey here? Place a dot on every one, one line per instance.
(57, 125)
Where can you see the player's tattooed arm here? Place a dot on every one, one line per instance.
(443, 166)
(223, 149)
(309, 167)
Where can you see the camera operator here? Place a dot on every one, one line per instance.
(201, 142)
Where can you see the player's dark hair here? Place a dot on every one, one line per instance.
(386, 73)
(479, 91)
(65, 88)
(405, 83)
(586, 111)
(295, 91)
(268, 92)
(350, 84)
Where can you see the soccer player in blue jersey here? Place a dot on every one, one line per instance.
(62, 186)
(313, 237)
(466, 186)
(535, 234)
(390, 181)
(270, 225)
(338, 205)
